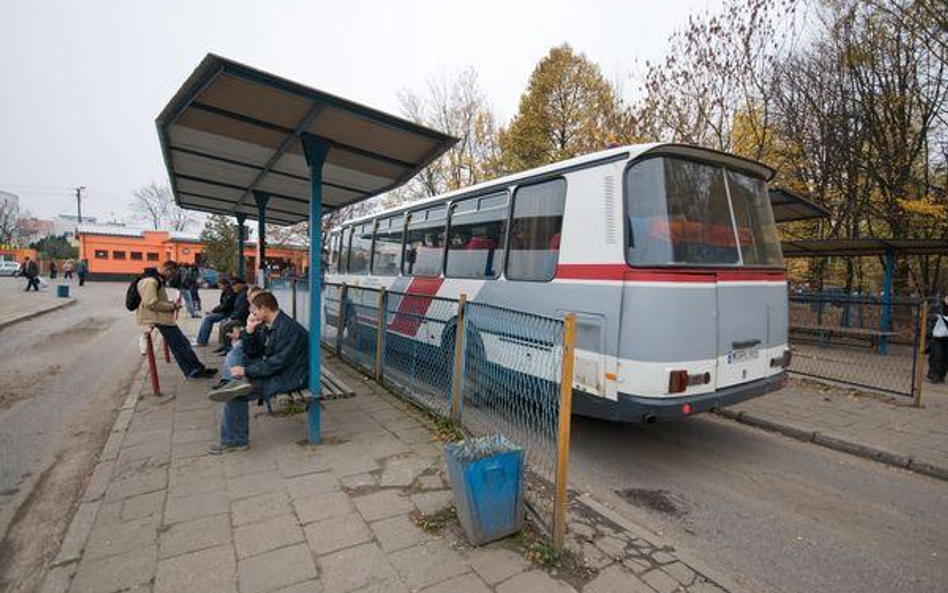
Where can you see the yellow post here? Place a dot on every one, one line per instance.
(920, 360)
(458, 359)
(340, 318)
(380, 335)
(562, 442)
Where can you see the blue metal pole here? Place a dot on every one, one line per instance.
(261, 199)
(241, 244)
(315, 150)
(887, 300)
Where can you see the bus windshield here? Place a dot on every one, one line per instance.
(679, 212)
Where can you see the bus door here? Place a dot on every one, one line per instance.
(743, 327)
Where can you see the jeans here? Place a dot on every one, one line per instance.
(189, 302)
(225, 327)
(235, 357)
(181, 349)
(204, 334)
(235, 423)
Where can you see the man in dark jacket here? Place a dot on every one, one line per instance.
(31, 271)
(238, 318)
(221, 312)
(276, 360)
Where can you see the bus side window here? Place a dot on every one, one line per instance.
(424, 242)
(360, 245)
(388, 246)
(476, 237)
(536, 230)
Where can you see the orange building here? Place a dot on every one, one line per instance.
(119, 252)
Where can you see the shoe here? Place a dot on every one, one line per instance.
(219, 384)
(221, 449)
(231, 390)
(204, 373)
(220, 351)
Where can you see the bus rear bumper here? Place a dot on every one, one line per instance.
(636, 409)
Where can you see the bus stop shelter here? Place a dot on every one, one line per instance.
(242, 142)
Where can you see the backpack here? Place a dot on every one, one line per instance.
(132, 297)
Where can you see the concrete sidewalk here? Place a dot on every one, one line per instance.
(17, 306)
(885, 429)
(161, 515)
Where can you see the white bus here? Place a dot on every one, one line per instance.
(668, 255)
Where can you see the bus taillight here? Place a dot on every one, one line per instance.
(679, 381)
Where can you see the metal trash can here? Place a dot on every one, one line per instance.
(62, 291)
(486, 476)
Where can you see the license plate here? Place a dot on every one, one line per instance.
(739, 356)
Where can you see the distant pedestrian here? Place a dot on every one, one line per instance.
(31, 271)
(938, 348)
(82, 269)
(68, 268)
(52, 269)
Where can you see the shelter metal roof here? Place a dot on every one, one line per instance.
(789, 207)
(863, 247)
(232, 129)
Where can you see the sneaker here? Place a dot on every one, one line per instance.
(233, 389)
(221, 449)
(204, 373)
(220, 351)
(219, 384)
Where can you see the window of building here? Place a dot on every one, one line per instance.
(118, 255)
(534, 248)
(476, 237)
(136, 255)
(360, 248)
(101, 254)
(387, 253)
(152, 257)
(424, 242)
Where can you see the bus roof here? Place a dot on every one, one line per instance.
(628, 152)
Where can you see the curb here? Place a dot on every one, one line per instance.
(62, 567)
(24, 317)
(838, 444)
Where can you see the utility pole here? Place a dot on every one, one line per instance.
(79, 202)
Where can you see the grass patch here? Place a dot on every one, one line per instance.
(447, 430)
(436, 522)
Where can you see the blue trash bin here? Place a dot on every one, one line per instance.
(62, 291)
(486, 475)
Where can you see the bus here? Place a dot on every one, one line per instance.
(667, 254)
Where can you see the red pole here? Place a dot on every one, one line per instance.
(152, 364)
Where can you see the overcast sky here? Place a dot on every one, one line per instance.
(82, 82)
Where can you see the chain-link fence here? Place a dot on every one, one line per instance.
(491, 369)
(860, 341)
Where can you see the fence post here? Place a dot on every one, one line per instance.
(152, 364)
(920, 355)
(562, 442)
(341, 318)
(458, 359)
(380, 336)
(293, 292)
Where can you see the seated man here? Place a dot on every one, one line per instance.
(237, 318)
(155, 309)
(275, 360)
(221, 311)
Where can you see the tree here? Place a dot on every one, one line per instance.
(154, 205)
(55, 247)
(11, 222)
(219, 237)
(569, 109)
(457, 106)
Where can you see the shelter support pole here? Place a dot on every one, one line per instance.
(315, 150)
(261, 198)
(886, 320)
(241, 244)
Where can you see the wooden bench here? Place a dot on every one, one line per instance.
(331, 388)
(824, 333)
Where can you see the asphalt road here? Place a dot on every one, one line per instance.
(62, 376)
(772, 513)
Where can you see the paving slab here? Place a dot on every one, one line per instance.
(213, 570)
(337, 533)
(267, 535)
(276, 569)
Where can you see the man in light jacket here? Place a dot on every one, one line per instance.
(157, 310)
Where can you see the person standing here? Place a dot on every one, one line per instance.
(157, 310)
(82, 270)
(938, 346)
(31, 271)
(52, 269)
(68, 268)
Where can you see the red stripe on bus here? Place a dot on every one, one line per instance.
(414, 305)
(624, 272)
